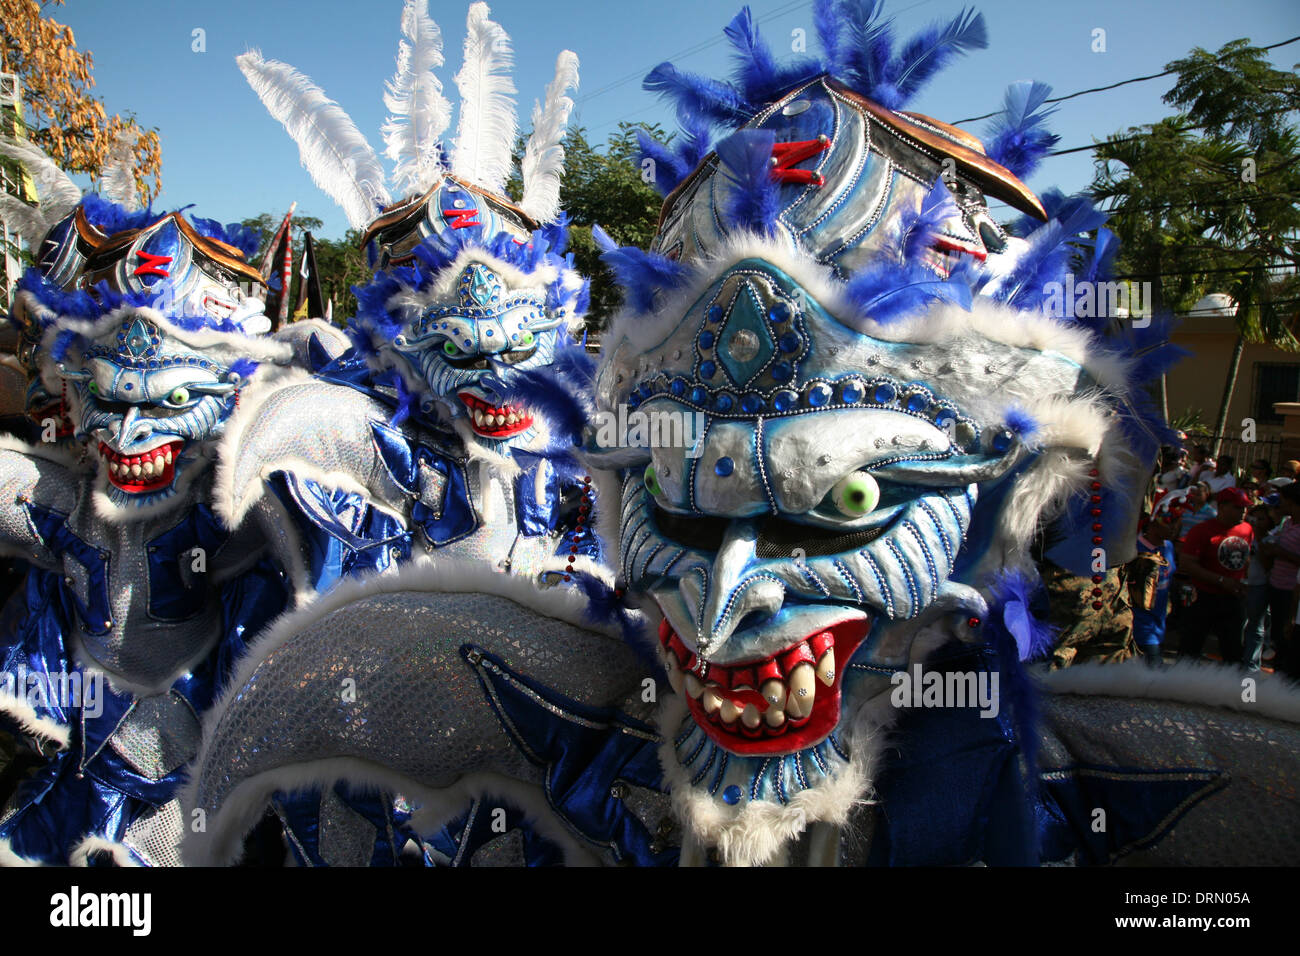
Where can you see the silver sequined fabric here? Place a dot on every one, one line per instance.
(419, 709)
(346, 837)
(505, 850)
(1253, 821)
(156, 837)
(36, 479)
(158, 735)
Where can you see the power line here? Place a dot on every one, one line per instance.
(1227, 201)
(1111, 86)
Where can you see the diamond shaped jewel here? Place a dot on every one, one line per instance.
(138, 338)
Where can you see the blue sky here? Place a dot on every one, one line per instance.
(223, 152)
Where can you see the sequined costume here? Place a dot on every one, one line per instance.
(446, 464)
(896, 394)
(139, 599)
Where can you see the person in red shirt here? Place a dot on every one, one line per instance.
(1215, 555)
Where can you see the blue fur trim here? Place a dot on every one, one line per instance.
(754, 201)
(1017, 137)
(561, 392)
(110, 218)
(1021, 422)
(244, 238)
(244, 368)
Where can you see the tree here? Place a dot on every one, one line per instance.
(267, 223)
(62, 116)
(605, 188)
(342, 265)
(1220, 210)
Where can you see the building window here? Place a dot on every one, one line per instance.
(1274, 382)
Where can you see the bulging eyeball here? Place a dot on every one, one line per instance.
(179, 396)
(856, 495)
(652, 481)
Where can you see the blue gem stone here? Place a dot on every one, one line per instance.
(781, 372)
(1001, 441)
(488, 333)
(918, 402)
(751, 404)
(633, 400)
(128, 386)
(708, 368)
(706, 340)
(819, 395)
(779, 312)
(785, 400)
(678, 387)
(723, 403)
(731, 796)
(945, 419)
(883, 395)
(469, 344)
(723, 467)
(715, 313)
(698, 394)
(789, 342)
(851, 392)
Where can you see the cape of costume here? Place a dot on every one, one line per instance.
(895, 396)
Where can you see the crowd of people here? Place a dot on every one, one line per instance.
(1218, 563)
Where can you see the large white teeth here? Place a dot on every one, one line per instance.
(750, 716)
(511, 419)
(803, 691)
(478, 417)
(168, 457)
(135, 471)
(159, 464)
(826, 667)
(711, 700)
(694, 686)
(501, 420)
(729, 711)
(147, 469)
(774, 691)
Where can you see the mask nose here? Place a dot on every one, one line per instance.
(132, 428)
(730, 596)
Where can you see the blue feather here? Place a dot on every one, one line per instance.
(605, 606)
(921, 228)
(244, 368)
(669, 169)
(828, 21)
(714, 101)
(560, 392)
(1021, 422)
(244, 238)
(757, 73)
(754, 200)
(1017, 137)
(110, 218)
(867, 47)
(887, 290)
(933, 48)
(1016, 636)
(642, 274)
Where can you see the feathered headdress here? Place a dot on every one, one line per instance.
(345, 166)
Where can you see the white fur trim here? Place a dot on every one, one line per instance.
(9, 858)
(226, 347)
(90, 845)
(25, 716)
(1193, 682)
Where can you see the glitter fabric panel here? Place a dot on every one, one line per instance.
(159, 734)
(346, 837)
(1253, 821)
(156, 837)
(29, 478)
(381, 679)
(505, 850)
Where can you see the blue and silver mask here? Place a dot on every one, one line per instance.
(887, 412)
(156, 350)
(479, 302)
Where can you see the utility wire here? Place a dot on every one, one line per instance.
(1112, 86)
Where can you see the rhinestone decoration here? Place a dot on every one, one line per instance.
(743, 346)
(724, 467)
(731, 795)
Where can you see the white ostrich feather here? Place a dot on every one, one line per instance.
(57, 194)
(118, 176)
(332, 150)
(485, 135)
(543, 164)
(25, 220)
(420, 113)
